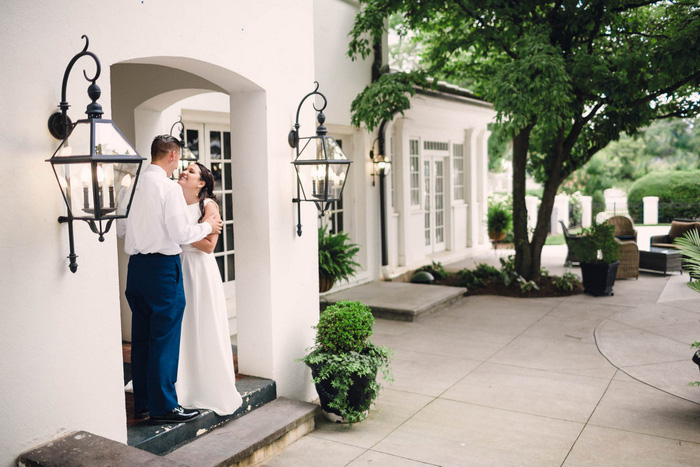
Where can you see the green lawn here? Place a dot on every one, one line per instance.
(558, 239)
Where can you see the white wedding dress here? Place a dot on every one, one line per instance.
(205, 376)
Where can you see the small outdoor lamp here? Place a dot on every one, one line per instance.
(321, 177)
(187, 155)
(380, 162)
(96, 167)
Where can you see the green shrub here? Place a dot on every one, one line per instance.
(344, 327)
(436, 269)
(566, 282)
(335, 255)
(498, 218)
(478, 277)
(678, 193)
(595, 239)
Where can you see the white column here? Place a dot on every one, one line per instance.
(586, 211)
(473, 221)
(651, 209)
(531, 204)
(560, 213)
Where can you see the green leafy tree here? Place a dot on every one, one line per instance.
(565, 77)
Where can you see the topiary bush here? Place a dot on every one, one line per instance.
(344, 327)
(678, 192)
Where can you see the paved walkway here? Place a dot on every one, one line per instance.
(497, 381)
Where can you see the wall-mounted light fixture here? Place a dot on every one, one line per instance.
(188, 156)
(381, 163)
(320, 178)
(96, 167)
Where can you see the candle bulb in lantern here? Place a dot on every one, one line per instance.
(109, 179)
(85, 179)
(123, 191)
(100, 181)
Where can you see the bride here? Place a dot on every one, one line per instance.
(205, 376)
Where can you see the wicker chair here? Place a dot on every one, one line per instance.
(629, 260)
(570, 240)
(624, 228)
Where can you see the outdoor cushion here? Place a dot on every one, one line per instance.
(679, 228)
(626, 237)
(664, 245)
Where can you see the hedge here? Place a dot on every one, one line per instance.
(678, 192)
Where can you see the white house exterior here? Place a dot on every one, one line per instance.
(235, 71)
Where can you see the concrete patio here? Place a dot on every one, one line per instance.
(497, 381)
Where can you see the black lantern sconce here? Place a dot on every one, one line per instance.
(188, 156)
(321, 177)
(381, 163)
(95, 165)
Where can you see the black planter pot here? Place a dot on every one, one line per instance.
(359, 394)
(599, 278)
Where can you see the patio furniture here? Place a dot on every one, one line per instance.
(661, 259)
(624, 228)
(570, 240)
(678, 229)
(629, 260)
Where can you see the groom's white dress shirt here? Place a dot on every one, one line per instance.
(157, 221)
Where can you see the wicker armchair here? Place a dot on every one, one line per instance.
(624, 228)
(570, 240)
(629, 260)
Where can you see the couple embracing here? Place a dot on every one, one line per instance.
(181, 355)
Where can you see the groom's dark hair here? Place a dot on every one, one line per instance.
(162, 145)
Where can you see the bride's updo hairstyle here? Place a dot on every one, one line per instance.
(207, 190)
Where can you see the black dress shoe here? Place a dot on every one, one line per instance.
(141, 414)
(177, 415)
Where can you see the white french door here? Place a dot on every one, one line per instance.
(211, 143)
(434, 202)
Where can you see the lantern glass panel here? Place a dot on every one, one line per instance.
(115, 184)
(110, 141)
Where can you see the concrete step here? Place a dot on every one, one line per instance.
(161, 439)
(400, 301)
(250, 439)
(247, 440)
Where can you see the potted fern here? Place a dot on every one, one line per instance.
(344, 363)
(335, 258)
(498, 221)
(599, 253)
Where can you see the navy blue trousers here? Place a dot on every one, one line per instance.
(157, 301)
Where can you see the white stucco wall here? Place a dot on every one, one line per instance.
(60, 336)
(341, 80)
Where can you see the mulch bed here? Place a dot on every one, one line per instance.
(547, 288)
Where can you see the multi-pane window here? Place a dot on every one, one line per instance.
(414, 172)
(426, 200)
(436, 145)
(334, 217)
(458, 171)
(439, 202)
(220, 166)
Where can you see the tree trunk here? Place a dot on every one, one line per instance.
(523, 254)
(528, 252)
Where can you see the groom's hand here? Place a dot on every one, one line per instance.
(216, 223)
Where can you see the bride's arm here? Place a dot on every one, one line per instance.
(208, 243)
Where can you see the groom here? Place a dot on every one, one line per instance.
(156, 227)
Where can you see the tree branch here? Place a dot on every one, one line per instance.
(666, 90)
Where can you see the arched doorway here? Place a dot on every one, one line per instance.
(149, 95)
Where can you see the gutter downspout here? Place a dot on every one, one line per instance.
(382, 197)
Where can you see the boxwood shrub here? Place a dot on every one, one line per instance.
(678, 192)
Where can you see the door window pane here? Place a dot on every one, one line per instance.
(215, 144)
